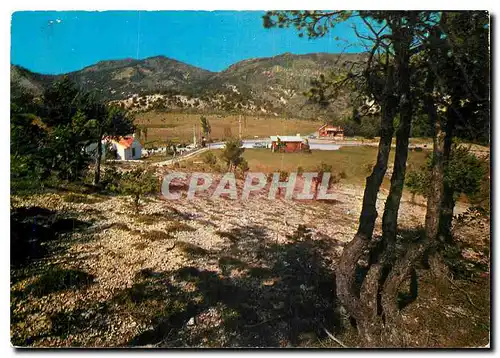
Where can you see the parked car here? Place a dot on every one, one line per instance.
(312, 137)
(260, 145)
(181, 150)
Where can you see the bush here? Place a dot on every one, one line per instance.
(111, 179)
(232, 153)
(323, 168)
(111, 153)
(243, 166)
(464, 174)
(209, 158)
(138, 182)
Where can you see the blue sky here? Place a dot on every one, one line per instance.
(59, 42)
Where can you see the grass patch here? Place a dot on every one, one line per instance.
(227, 263)
(150, 219)
(156, 235)
(120, 226)
(260, 272)
(140, 245)
(83, 198)
(352, 164)
(156, 158)
(177, 226)
(147, 301)
(57, 279)
(191, 249)
(227, 235)
(65, 323)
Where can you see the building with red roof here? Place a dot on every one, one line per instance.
(329, 131)
(126, 147)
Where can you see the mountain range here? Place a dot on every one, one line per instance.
(270, 86)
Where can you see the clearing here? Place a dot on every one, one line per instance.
(178, 127)
(354, 161)
(87, 271)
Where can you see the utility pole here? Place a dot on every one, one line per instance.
(239, 123)
(194, 135)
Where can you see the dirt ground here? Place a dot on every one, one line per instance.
(215, 273)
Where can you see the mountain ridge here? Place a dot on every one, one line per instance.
(270, 85)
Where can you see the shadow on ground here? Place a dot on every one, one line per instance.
(267, 295)
(33, 228)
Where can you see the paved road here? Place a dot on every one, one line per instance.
(249, 144)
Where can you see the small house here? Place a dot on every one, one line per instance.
(288, 144)
(329, 131)
(127, 148)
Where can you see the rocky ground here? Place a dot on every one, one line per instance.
(211, 273)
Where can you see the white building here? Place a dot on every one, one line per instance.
(127, 148)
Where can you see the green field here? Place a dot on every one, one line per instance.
(355, 162)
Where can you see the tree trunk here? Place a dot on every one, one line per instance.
(435, 194)
(379, 279)
(97, 168)
(353, 251)
(389, 294)
(136, 204)
(448, 200)
(446, 217)
(374, 181)
(390, 217)
(397, 266)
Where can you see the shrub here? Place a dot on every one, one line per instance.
(284, 175)
(243, 167)
(156, 235)
(177, 226)
(80, 198)
(209, 158)
(138, 182)
(232, 153)
(111, 178)
(111, 153)
(323, 168)
(463, 173)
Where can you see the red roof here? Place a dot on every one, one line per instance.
(331, 127)
(126, 141)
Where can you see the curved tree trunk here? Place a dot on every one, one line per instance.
(390, 217)
(365, 312)
(382, 279)
(97, 168)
